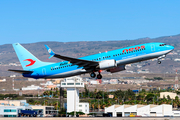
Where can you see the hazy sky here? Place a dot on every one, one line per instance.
(28, 21)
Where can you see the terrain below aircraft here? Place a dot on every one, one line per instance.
(111, 61)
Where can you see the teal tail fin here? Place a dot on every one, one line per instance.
(27, 60)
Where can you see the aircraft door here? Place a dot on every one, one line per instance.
(153, 48)
(44, 71)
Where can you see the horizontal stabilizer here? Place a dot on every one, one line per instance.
(21, 71)
(50, 51)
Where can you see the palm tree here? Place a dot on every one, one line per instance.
(35, 102)
(46, 102)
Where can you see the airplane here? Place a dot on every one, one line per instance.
(111, 61)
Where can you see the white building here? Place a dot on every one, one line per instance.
(105, 81)
(113, 81)
(93, 82)
(48, 83)
(12, 111)
(141, 110)
(165, 94)
(3, 80)
(32, 87)
(84, 107)
(32, 79)
(72, 84)
(10, 108)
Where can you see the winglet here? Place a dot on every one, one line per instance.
(50, 51)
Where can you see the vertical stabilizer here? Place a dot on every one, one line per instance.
(27, 60)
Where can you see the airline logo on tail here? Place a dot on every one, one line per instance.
(31, 62)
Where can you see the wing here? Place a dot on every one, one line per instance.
(21, 71)
(87, 64)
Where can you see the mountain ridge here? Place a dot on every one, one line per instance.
(81, 48)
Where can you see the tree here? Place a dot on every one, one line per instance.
(31, 101)
(168, 97)
(149, 97)
(177, 99)
(158, 78)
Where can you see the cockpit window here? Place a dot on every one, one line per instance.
(162, 44)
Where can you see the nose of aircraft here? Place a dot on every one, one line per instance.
(169, 47)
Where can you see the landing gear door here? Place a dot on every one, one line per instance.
(153, 48)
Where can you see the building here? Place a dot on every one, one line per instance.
(105, 82)
(72, 84)
(32, 79)
(48, 84)
(13, 102)
(165, 94)
(45, 111)
(84, 107)
(99, 81)
(12, 108)
(110, 96)
(93, 82)
(113, 81)
(32, 87)
(12, 111)
(3, 80)
(57, 81)
(141, 110)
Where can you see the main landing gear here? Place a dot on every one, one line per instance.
(99, 76)
(93, 75)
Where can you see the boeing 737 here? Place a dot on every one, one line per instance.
(111, 61)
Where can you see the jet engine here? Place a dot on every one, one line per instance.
(106, 64)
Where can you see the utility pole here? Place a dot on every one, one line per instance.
(118, 100)
(75, 99)
(57, 109)
(61, 98)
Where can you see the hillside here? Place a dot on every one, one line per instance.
(84, 48)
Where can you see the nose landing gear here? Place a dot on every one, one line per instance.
(159, 58)
(159, 62)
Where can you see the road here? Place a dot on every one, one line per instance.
(92, 118)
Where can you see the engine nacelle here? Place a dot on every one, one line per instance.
(107, 64)
(117, 69)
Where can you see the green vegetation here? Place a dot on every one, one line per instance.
(100, 99)
(155, 78)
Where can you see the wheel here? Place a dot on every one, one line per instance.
(99, 76)
(93, 75)
(159, 62)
